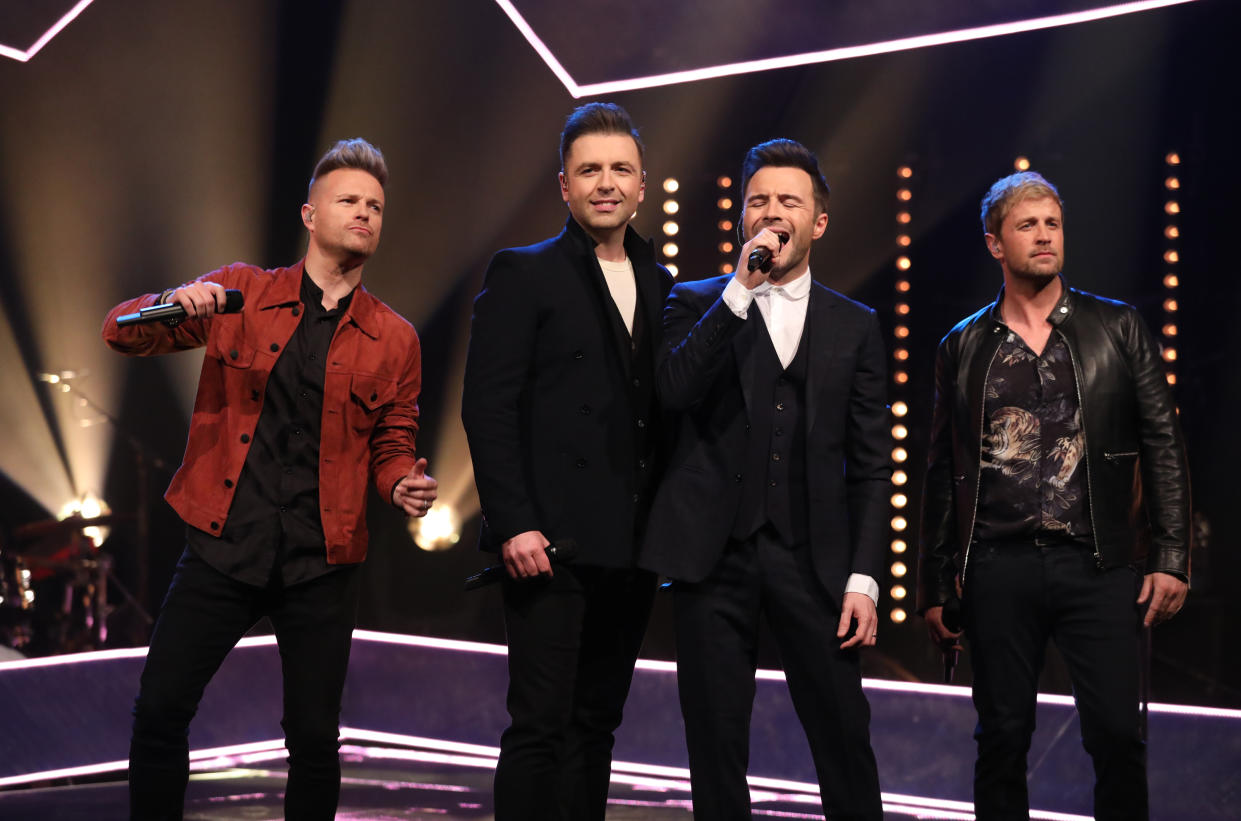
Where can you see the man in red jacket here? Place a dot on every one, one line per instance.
(304, 393)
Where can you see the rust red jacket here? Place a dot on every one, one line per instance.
(370, 398)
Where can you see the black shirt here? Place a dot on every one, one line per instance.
(1033, 478)
(274, 525)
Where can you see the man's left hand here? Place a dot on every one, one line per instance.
(858, 606)
(415, 493)
(1166, 594)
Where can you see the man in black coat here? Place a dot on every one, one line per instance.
(566, 438)
(775, 498)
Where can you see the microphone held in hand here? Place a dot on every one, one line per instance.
(760, 258)
(172, 312)
(560, 552)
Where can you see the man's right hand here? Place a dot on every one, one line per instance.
(940, 634)
(200, 299)
(525, 555)
(767, 238)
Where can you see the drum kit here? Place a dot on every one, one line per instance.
(54, 588)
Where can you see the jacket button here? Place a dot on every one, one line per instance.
(374, 396)
(215, 525)
(232, 354)
(737, 477)
(581, 463)
(779, 406)
(245, 437)
(747, 427)
(254, 395)
(584, 410)
(578, 355)
(228, 483)
(297, 310)
(641, 423)
(274, 347)
(635, 498)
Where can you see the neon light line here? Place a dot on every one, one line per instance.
(456, 645)
(828, 55)
(24, 56)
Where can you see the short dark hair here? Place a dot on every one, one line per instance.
(784, 153)
(598, 118)
(1007, 192)
(355, 153)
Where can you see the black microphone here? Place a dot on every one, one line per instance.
(172, 311)
(761, 257)
(557, 553)
(951, 618)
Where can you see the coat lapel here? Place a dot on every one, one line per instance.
(744, 345)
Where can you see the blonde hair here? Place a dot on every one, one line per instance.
(355, 153)
(1005, 193)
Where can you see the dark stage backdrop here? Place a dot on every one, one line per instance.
(150, 142)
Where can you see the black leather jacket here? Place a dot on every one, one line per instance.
(1137, 476)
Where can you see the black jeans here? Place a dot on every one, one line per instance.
(717, 628)
(572, 643)
(203, 616)
(1017, 595)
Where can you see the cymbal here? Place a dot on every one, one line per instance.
(49, 535)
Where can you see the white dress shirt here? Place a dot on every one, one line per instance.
(783, 308)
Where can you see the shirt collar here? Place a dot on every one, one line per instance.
(793, 291)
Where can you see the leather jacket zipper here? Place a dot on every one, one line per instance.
(1081, 409)
(982, 413)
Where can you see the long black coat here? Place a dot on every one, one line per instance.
(546, 403)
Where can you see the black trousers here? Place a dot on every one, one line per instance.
(1016, 597)
(205, 614)
(572, 643)
(717, 624)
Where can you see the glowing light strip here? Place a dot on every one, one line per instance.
(653, 775)
(434, 643)
(24, 56)
(261, 750)
(649, 665)
(105, 655)
(484, 757)
(539, 47)
(828, 55)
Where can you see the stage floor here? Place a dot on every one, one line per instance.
(376, 785)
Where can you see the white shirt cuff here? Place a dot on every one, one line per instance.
(861, 583)
(738, 299)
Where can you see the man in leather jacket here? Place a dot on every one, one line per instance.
(1056, 504)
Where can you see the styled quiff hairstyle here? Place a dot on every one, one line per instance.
(1005, 193)
(598, 118)
(355, 153)
(786, 154)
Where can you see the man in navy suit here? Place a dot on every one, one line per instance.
(567, 441)
(774, 500)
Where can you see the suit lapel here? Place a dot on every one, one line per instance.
(820, 334)
(744, 348)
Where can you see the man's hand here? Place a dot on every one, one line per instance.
(1166, 594)
(415, 493)
(767, 238)
(200, 299)
(939, 633)
(525, 555)
(858, 606)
